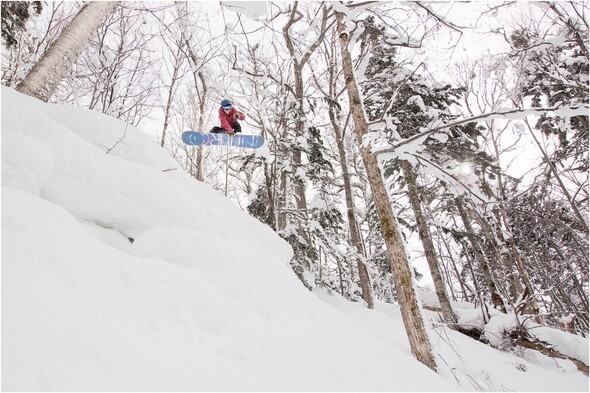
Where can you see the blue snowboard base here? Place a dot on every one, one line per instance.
(196, 138)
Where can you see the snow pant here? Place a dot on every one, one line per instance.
(236, 127)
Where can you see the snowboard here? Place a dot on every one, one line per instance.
(196, 138)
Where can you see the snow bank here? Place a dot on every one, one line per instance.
(137, 186)
(563, 342)
(203, 299)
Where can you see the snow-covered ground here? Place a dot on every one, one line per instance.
(203, 299)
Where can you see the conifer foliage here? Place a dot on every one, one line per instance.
(14, 16)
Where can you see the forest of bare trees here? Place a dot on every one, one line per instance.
(390, 160)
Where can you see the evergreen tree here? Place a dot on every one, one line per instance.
(398, 258)
(550, 237)
(557, 75)
(408, 105)
(15, 15)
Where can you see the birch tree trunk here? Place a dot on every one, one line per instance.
(426, 239)
(410, 310)
(44, 77)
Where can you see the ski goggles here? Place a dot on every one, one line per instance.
(227, 107)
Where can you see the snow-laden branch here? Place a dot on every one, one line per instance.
(510, 114)
(450, 178)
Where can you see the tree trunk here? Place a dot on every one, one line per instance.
(43, 79)
(282, 202)
(201, 124)
(353, 228)
(494, 296)
(355, 237)
(524, 276)
(410, 310)
(437, 279)
(171, 94)
(298, 63)
(459, 278)
(298, 183)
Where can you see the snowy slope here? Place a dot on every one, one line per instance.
(203, 299)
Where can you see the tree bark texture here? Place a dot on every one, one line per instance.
(410, 310)
(355, 236)
(45, 76)
(426, 239)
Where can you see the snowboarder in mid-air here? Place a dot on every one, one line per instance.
(228, 117)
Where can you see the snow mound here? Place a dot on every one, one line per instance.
(120, 272)
(200, 250)
(203, 299)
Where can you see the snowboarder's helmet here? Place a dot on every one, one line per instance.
(226, 103)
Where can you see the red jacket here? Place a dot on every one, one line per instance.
(228, 119)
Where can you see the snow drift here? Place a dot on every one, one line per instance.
(120, 272)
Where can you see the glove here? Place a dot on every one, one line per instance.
(231, 133)
(236, 116)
